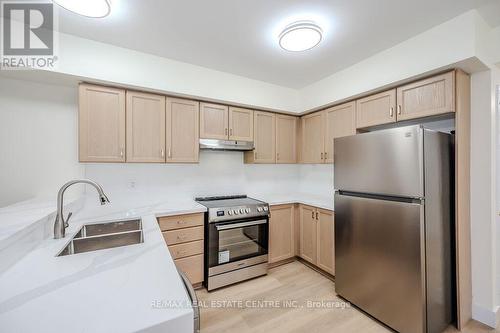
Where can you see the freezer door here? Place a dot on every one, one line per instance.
(386, 162)
(379, 259)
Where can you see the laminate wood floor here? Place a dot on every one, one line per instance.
(291, 298)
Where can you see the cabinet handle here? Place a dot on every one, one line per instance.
(277, 156)
(169, 153)
(312, 214)
(322, 156)
(162, 153)
(121, 152)
(225, 131)
(230, 131)
(325, 154)
(399, 109)
(391, 112)
(317, 216)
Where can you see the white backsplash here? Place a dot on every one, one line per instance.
(218, 173)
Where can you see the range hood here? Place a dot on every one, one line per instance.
(213, 144)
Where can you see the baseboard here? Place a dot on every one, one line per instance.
(317, 269)
(281, 262)
(486, 316)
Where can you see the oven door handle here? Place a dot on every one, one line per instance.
(239, 225)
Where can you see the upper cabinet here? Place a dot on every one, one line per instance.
(264, 139)
(432, 96)
(339, 121)
(214, 121)
(101, 124)
(376, 109)
(240, 124)
(183, 118)
(319, 130)
(226, 123)
(313, 138)
(286, 139)
(145, 127)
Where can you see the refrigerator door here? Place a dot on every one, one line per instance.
(379, 259)
(386, 162)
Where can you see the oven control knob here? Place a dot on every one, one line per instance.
(229, 212)
(266, 209)
(247, 210)
(242, 211)
(259, 209)
(236, 212)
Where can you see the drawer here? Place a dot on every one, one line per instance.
(180, 221)
(186, 249)
(183, 235)
(192, 267)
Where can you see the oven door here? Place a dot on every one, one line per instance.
(237, 240)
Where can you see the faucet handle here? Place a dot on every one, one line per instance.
(66, 224)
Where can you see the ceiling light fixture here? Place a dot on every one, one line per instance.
(89, 8)
(300, 36)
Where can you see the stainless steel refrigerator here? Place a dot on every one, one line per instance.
(393, 226)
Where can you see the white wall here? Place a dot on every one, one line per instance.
(103, 62)
(38, 139)
(483, 197)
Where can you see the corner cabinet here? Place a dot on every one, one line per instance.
(319, 129)
(317, 237)
(339, 121)
(183, 118)
(281, 233)
(101, 124)
(145, 127)
(312, 138)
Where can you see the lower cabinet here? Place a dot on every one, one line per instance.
(184, 237)
(281, 233)
(317, 237)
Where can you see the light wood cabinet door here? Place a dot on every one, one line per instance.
(183, 119)
(308, 233)
(339, 121)
(214, 121)
(326, 241)
(286, 139)
(313, 138)
(101, 124)
(145, 127)
(240, 124)
(376, 109)
(264, 137)
(432, 96)
(281, 233)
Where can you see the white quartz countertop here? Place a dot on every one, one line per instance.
(111, 290)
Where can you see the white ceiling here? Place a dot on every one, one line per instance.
(239, 36)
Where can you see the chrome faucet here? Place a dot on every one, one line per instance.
(60, 223)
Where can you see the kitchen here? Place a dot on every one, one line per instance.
(161, 140)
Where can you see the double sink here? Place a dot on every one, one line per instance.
(99, 236)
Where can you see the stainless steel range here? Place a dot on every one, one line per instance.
(236, 239)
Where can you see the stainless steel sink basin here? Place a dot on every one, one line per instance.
(92, 237)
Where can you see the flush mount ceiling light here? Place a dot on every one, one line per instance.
(300, 36)
(89, 8)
